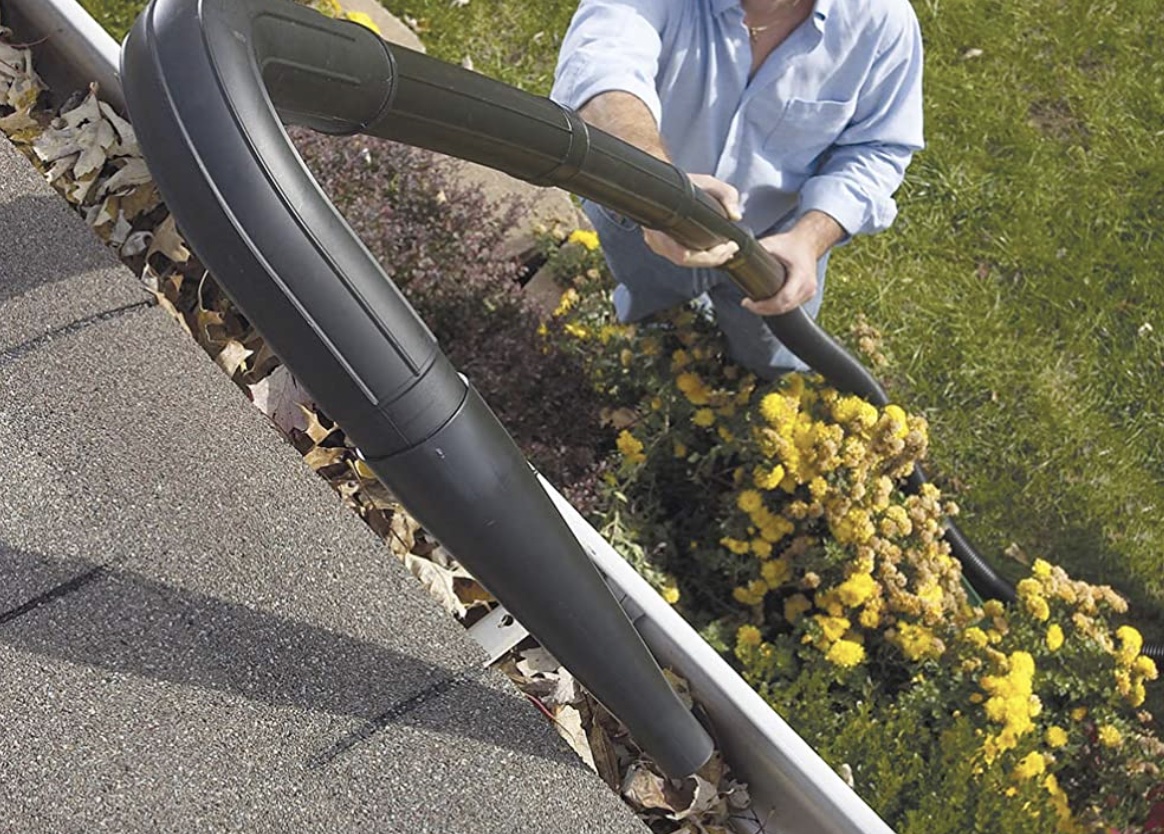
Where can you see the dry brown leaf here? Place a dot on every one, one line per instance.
(566, 689)
(132, 173)
(169, 307)
(605, 758)
(279, 396)
(89, 110)
(472, 593)
(17, 121)
(136, 244)
(704, 799)
(168, 242)
(437, 581)
(738, 797)
(363, 470)
(619, 418)
(322, 456)
(403, 532)
(233, 355)
(141, 200)
(379, 496)
(128, 139)
(264, 362)
(211, 326)
(568, 721)
(315, 429)
(537, 661)
(644, 788)
(681, 687)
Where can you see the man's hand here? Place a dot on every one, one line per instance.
(799, 250)
(667, 247)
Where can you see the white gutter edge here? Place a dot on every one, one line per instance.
(70, 30)
(792, 787)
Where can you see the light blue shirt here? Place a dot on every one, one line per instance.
(829, 122)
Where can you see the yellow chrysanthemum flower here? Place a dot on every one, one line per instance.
(1109, 736)
(845, 653)
(566, 302)
(901, 422)
(1029, 588)
(857, 589)
(1056, 737)
(834, 628)
(975, 637)
(916, 641)
(1037, 607)
(776, 527)
(751, 594)
(631, 447)
(735, 545)
(1031, 765)
(748, 635)
(796, 605)
(363, 20)
(693, 388)
(1054, 637)
(1131, 641)
(1145, 667)
(779, 410)
(870, 616)
(670, 594)
(769, 479)
(584, 237)
(776, 572)
(750, 501)
(703, 417)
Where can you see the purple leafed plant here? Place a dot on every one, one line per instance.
(438, 240)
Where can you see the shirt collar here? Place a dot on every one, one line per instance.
(819, 14)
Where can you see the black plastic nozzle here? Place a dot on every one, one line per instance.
(207, 82)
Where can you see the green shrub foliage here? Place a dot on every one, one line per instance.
(775, 515)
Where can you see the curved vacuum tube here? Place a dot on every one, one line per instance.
(194, 76)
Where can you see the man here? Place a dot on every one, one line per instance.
(800, 117)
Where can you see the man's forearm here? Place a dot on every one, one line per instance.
(628, 118)
(819, 231)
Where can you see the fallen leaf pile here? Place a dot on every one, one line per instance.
(20, 90)
(91, 156)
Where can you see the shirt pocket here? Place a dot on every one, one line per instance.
(806, 129)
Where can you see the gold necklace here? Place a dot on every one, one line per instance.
(754, 32)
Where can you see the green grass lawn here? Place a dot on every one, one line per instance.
(1018, 292)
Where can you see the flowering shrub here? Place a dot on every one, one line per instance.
(776, 515)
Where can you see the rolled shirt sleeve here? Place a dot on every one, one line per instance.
(612, 45)
(856, 181)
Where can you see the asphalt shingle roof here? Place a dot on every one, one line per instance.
(195, 635)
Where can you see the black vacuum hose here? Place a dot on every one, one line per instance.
(337, 77)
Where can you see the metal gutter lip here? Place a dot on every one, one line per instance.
(74, 33)
(793, 790)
